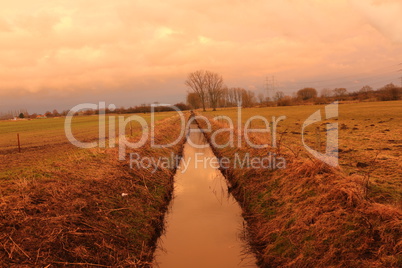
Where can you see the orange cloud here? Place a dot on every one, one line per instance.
(103, 46)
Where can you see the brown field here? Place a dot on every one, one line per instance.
(62, 206)
(312, 215)
(369, 133)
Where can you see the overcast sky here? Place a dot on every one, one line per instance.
(56, 54)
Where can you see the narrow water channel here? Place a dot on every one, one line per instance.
(204, 226)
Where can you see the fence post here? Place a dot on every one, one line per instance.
(318, 139)
(19, 144)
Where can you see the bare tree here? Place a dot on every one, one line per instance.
(231, 97)
(214, 85)
(248, 98)
(326, 93)
(340, 92)
(366, 89)
(365, 92)
(196, 81)
(193, 99)
(279, 95)
(389, 92)
(237, 95)
(224, 99)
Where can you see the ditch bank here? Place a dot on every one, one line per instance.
(85, 208)
(309, 214)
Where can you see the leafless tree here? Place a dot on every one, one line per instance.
(340, 92)
(231, 97)
(365, 92)
(279, 95)
(248, 98)
(196, 81)
(326, 93)
(237, 95)
(389, 92)
(194, 100)
(214, 85)
(224, 99)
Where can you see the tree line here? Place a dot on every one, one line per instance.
(207, 90)
(143, 108)
(23, 114)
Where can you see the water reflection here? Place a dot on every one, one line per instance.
(204, 227)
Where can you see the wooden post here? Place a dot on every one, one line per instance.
(19, 144)
(318, 139)
(131, 129)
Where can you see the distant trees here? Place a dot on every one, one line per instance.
(261, 98)
(390, 92)
(285, 101)
(196, 82)
(248, 98)
(14, 114)
(235, 96)
(279, 95)
(193, 99)
(223, 97)
(90, 112)
(223, 100)
(143, 108)
(182, 106)
(307, 93)
(214, 86)
(326, 92)
(207, 85)
(340, 92)
(365, 92)
(55, 113)
(208, 90)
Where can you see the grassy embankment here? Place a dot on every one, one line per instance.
(63, 206)
(312, 215)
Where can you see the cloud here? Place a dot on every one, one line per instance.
(383, 15)
(79, 48)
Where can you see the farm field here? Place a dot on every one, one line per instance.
(50, 131)
(370, 139)
(65, 206)
(309, 214)
(44, 140)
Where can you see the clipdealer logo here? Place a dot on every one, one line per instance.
(236, 138)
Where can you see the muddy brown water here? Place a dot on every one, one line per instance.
(204, 225)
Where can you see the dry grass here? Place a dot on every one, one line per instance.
(40, 133)
(369, 140)
(312, 215)
(67, 209)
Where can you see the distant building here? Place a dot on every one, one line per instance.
(41, 116)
